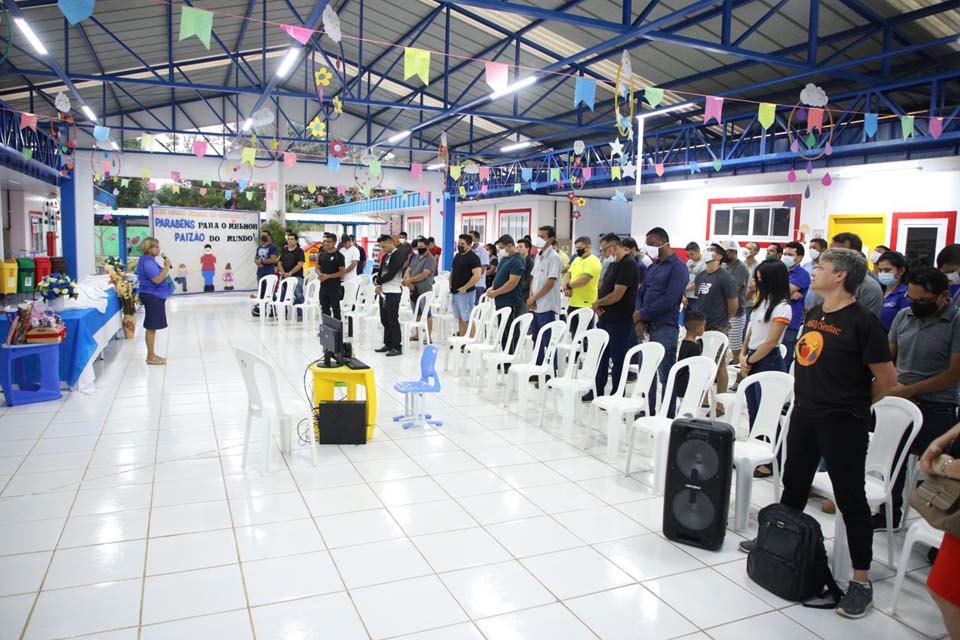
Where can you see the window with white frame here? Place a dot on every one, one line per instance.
(769, 221)
(515, 224)
(414, 228)
(476, 223)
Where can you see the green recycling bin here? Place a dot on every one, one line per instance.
(26, 272)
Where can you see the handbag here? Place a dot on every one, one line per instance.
(938, 501)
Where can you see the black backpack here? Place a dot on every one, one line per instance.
(789, 559)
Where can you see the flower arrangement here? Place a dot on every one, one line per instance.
(114, 263)
(121, 281)
(57, 285)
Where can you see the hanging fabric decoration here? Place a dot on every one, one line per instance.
(196, 22)
(625, 75)
(554, 174)
(322, 77)
(496, 75)
(146, 172)
(243, 184)
(717, 164)
(146, 142)
(806, 193)
(516, 187)
(455, 171)
(203, 191)
(936, 127)
(27, 154)
(331, 24)
(248, 156)
(300, 34)
(809, 168)
(828, 149)
(906, 124)
(870, 122)
(585, 91)
(618, 196)
(337, 105)
(484, 173)
(175, 176)
(199, 148)
(587, 173)
(815, 120)
(526, 173)
(616, 148)
(713, 110)
(175, 188)
(125, 183)
(792, 175)
(694, 167)
(826, 180)
(416, 62)
(376, 169)
(615, 172)
(312, 188)
(766, 113)
(341, 190)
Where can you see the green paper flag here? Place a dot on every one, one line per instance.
(455, 172)
(248, 155)
(766, 113)
(906, 123)
(296, 197)
(376, 169)
(654, 95)
(196, 22)
(516, 187)
(416, 62)
(27, 154)
(249, 195)
(717, 164)
(811, 140)
(206, 182)
(554, 174)
(125, 183)
(365, 191)
(615, 172)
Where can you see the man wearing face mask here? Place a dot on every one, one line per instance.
(741, 278)
(948, 262)
(544, 298)
(719, 301)
(419, 277)
(925, 343)
(695, 266)
(774, 251)
(614, 308)
(583, 277)
(799, 285)
(482, 253)
(506, 283)
(817, 246)
(523, 248)
(465, 273)
(659, 315)
(876, 253)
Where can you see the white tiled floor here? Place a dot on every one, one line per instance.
(126, 515)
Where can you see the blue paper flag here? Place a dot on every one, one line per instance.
(76, 10)
(870, 124)
(333, 164)
(526, 173)
(101, 133)
(347, 198)
(694, 167)
(534, 185)
(243, 184)
(228, 194)
(585, 92)
(400, 191)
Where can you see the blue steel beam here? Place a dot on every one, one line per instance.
(548, 15)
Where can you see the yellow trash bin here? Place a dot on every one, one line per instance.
(8, 276)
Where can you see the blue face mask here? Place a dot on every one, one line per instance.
(886, 279)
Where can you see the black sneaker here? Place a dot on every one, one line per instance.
(857, 600)
(382, 349)
(747, 546)
(880, 520)
(587, 398)
(394, 352)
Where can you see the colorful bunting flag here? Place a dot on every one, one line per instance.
(516, 187)
(228, 194)
(243, 184)
(376, 169)
(100, 134)
(28, 120)
(713, 110)
(463, 191)
(936, 127)
(27, 154)
(455, 171)
(870, 121)
(484, 173)
(125, 183)
(416, 170)
(526, 173)
(300, 34)
(145, 172)
(289, 159)
(554, 174)
(585, 92)
(152, 186)
(249, 195)
(199, 148)
(416, 62)
(248, 155)
(176, 188)
(615, 172)
(341, 190)
(203, 191)
(333, 164)
(694, 167)
(196, 22)
(587, 173)
(659, 169)
(312, 188)
(496, 75)
(717, 164)
(654, 95)
(906, 123)
(175, 176)
(76, 10)
(766, 113)
(814, 119)
(105, 165)
(206, 182)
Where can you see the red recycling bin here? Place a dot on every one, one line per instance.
(43, 268)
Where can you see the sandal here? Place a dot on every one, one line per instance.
(157, 361)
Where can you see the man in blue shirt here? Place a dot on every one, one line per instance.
(799, 283)
(506, 291)
(659, 315)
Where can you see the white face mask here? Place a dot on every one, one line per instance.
(814, 254)
(875, 256)
(538, 242)
(609, 259)
(646, 260)
(953, 278)
(652, 252)
(501, 253)
(789, 261)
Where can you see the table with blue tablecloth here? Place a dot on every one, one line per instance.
(88, 332)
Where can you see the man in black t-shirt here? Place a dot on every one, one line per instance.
(615, 306)
(330, 269)
(843, 366)
(464, 276)
(291, 266)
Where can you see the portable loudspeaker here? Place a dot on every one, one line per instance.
(699, 472)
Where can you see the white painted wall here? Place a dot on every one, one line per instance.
(599, 216)
(924, 185)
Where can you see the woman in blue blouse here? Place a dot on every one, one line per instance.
(154, 291)
(892, 274)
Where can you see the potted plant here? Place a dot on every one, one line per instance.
(55, 289)
(128, 300)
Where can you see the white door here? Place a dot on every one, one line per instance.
(922, 238)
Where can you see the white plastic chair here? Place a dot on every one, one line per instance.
(479, 315)
(579, 377)
(351, 290)
(763, 443)
(249, 364)
(702, 371)
(498, 361)
(491, 342)
(525, 371)
(310, 307)
(894, 417)
(352, 319)
(584, 316)
(265, 290)
(714, 347)
(620, 406)
(419, 320)
(284, 302)
(919, 531)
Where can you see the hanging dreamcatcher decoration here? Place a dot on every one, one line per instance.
(807, 117)
(63, 129)
(106, 161)
(624, 89)
(232, 168)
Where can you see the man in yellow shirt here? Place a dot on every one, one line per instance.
(583, 277)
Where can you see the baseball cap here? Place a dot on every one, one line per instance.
(730, 245)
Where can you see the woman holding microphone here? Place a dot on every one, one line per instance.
(154, 291)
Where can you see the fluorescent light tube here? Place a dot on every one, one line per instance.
(434, 167)
(397, 137)
(31, 36)
(515, 146)
(90, 114)
(288, 61)
(116, 147)
(513, 88)
(248, 124)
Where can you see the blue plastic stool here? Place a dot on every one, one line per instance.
(16, 369)
(414, 390)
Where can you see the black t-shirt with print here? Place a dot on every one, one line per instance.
(833, 356)
(331, 263)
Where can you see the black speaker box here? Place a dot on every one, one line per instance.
(342, 422)
(697, 488)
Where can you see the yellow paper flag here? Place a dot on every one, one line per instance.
(615, 172)
(416, 62)
(463, 191)
(176, 188)
(249, 156)
(145, 172)
(766, 114)
(455, 171)
(312, 188)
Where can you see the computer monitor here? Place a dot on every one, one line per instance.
(331, 339)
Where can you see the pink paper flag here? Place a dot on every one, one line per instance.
(300, 34)
(28, 120)
(289, 159)
(203, 191)
(175, 176)
(713, 110)
(199, 148)
(105, 165)
(272, 186)
(484, 173)
(416, 170)
(587, 173)
(341, 190)
(659, 168)
(936, 127)
(814, 119)
(496, 75)
(153, 186)
(423, 194)
(483, 188)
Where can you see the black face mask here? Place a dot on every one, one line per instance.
(421, 250)
(924, 308)
(581, 251)
(264, 239)
(463, 248)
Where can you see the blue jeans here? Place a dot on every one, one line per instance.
(541, 320)
(770, 362)
(622, 338)
(789, 341)
(298, 295)
(666, 334)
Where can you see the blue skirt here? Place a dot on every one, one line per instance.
(155, 312)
